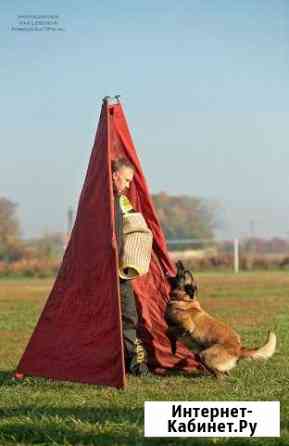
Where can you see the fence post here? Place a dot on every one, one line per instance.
(236, 255)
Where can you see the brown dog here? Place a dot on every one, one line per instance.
(217, 344)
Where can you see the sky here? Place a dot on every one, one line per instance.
(205, 89)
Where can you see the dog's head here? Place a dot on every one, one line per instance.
(183, 283)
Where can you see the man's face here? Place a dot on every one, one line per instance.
(122, 179)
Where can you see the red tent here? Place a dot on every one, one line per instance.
(79, 334)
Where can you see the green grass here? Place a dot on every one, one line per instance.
(43, 412)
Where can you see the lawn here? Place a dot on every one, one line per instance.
(43, 412)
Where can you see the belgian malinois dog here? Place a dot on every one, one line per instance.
(218, 346)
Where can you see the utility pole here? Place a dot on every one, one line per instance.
(252, 236)
(69, 226)
(69, 220)
(236, 255)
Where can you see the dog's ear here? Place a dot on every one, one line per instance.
(191, 287)
(180, 267)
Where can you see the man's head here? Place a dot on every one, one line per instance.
(122, 175)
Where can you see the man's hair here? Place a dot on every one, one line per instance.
(118, 163)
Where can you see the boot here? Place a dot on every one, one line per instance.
(138, 361)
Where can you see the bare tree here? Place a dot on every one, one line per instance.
(9, 230)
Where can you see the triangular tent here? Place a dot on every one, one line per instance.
(79, 334)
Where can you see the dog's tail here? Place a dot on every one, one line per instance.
(264, 352)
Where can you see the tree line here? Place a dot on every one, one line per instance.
(181, 217)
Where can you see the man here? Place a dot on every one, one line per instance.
(122, 176)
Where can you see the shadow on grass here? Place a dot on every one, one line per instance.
(127, 432)
(73, 425)
(7, 378)
(91, 426)
(80, 425)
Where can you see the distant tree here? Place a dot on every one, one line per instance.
(10, 242)
(49, 246)
(278, 245)
(185, 217)
(263, 246)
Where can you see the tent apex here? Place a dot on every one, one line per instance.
(111, 100)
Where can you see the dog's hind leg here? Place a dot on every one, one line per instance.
(219, 359)
(207, 370)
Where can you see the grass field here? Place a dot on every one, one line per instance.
(43, 412)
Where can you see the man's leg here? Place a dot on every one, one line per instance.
(134, 348)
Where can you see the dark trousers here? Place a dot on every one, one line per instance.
(129, 316)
